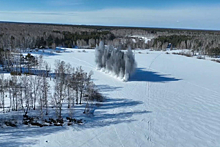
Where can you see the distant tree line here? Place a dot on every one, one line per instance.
(70, 39)
(173, 39)
(214, 52)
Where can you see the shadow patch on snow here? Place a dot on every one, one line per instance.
(49, 52)
(101, 118)
(11, 137)
(122, 115)
(118, 103)
(142, 75)
(107, 88)
(45, 53)
(24, 70)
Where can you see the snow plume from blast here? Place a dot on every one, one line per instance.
(121, 64)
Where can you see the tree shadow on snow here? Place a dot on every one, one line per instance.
(45, 53)
(107, 88)
(11, 137)
(101, 118)
(142, 75)
(49, 52)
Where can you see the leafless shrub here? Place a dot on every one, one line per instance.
(13, 73)
(187, 54)
(200, 57)
(218, 61)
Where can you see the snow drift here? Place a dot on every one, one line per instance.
(111, 60)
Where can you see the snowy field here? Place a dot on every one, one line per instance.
(171, 101)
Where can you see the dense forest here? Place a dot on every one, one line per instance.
(22, 35)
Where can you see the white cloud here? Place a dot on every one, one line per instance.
(199, 18)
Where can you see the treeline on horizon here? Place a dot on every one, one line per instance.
(33, 35)
(70, 39)
(101, 27)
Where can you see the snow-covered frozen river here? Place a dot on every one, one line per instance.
(170, 101)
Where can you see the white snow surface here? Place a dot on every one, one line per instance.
(171, 101)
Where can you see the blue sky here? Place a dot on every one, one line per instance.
(193, 14)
